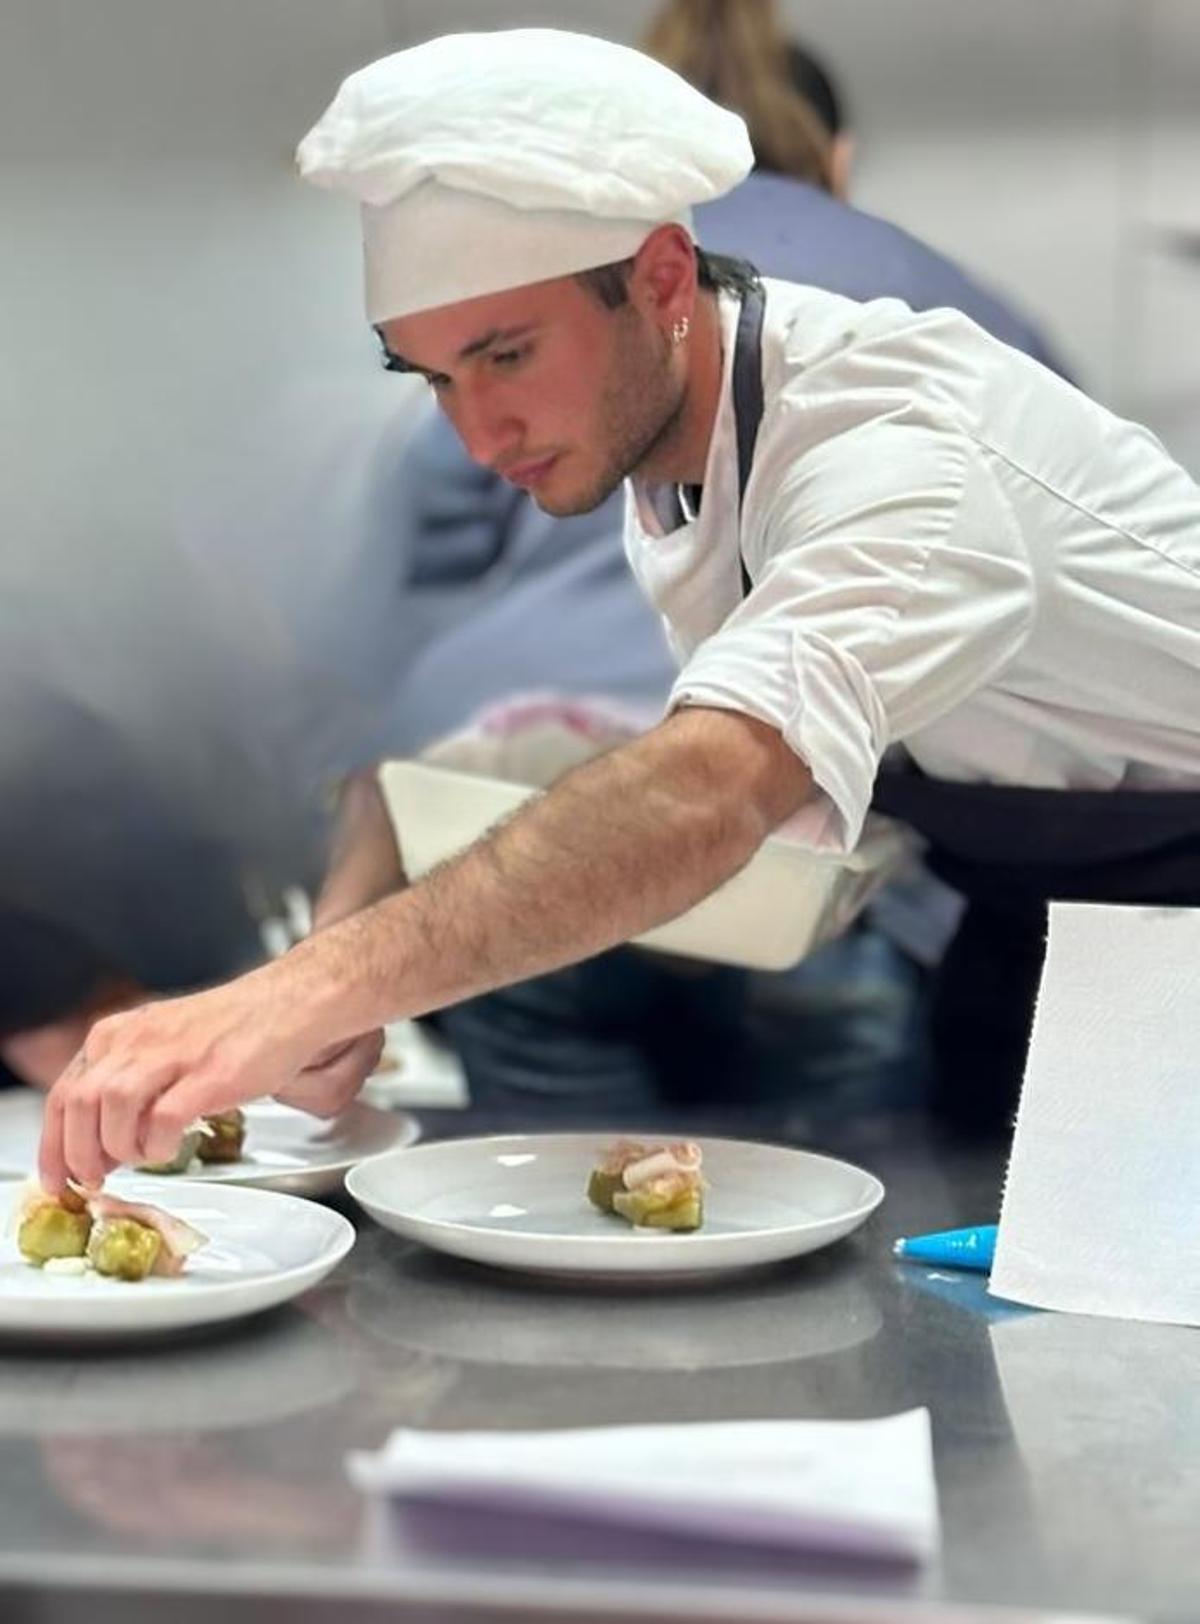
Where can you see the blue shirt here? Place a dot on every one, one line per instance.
(798, 233)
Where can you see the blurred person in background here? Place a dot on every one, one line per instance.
(113, 887)
(527, 602)
(53, 985)
(740, 55)
(789, 215)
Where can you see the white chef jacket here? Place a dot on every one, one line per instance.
(952, 549)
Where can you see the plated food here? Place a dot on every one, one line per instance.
(518, 1201)
(650, 1186)
(213, 1141)
(260, 1248)
(89, 1230)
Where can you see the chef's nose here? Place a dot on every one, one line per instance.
(487, 427)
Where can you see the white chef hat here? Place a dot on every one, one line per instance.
(487, 161)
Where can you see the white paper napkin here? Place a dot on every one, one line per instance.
(857, 1488)
(1101, 1212)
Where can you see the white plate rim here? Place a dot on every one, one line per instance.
(711, 1243)
(340, 1243)
(287, 1180)
(296, 1181)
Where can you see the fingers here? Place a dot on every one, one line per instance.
(107, 1118)
(52, 1155)
(93, 1119)
(172, 1113)
(325, 1089)
(83, 1153)
(108, 1109)
(128, 1112)
(144, 1076)
(71, 1146)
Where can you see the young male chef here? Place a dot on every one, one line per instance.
(869, 532)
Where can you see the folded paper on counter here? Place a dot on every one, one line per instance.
(845, 1488)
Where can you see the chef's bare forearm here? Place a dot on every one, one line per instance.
(364, 863)
(618, 846)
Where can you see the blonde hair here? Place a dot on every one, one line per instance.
(736, 52)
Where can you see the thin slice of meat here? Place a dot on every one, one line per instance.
(682, 1157)
(179, 1239)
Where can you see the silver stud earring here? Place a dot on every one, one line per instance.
(679, 330)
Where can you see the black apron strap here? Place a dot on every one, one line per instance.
(748, 396)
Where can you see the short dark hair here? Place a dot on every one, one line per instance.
(714, 272)
(610, 284)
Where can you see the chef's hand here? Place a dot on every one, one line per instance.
(143, 1076)
(331, 1082)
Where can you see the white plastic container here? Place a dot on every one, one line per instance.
(785, 902)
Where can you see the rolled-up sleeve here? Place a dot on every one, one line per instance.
(891, 584)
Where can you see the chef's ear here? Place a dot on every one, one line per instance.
(662, 282)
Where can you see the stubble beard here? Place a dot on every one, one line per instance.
(641, 405)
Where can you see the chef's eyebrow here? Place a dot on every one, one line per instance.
(477, 346)
(393, 362)
(498, 335)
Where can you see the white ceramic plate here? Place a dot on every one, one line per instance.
(285, 1149)
(263, 1249)
(518, 1201)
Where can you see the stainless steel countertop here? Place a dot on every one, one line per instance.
(1067, 1448)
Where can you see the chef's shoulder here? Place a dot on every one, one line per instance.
(826, 353)
(862, 442)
